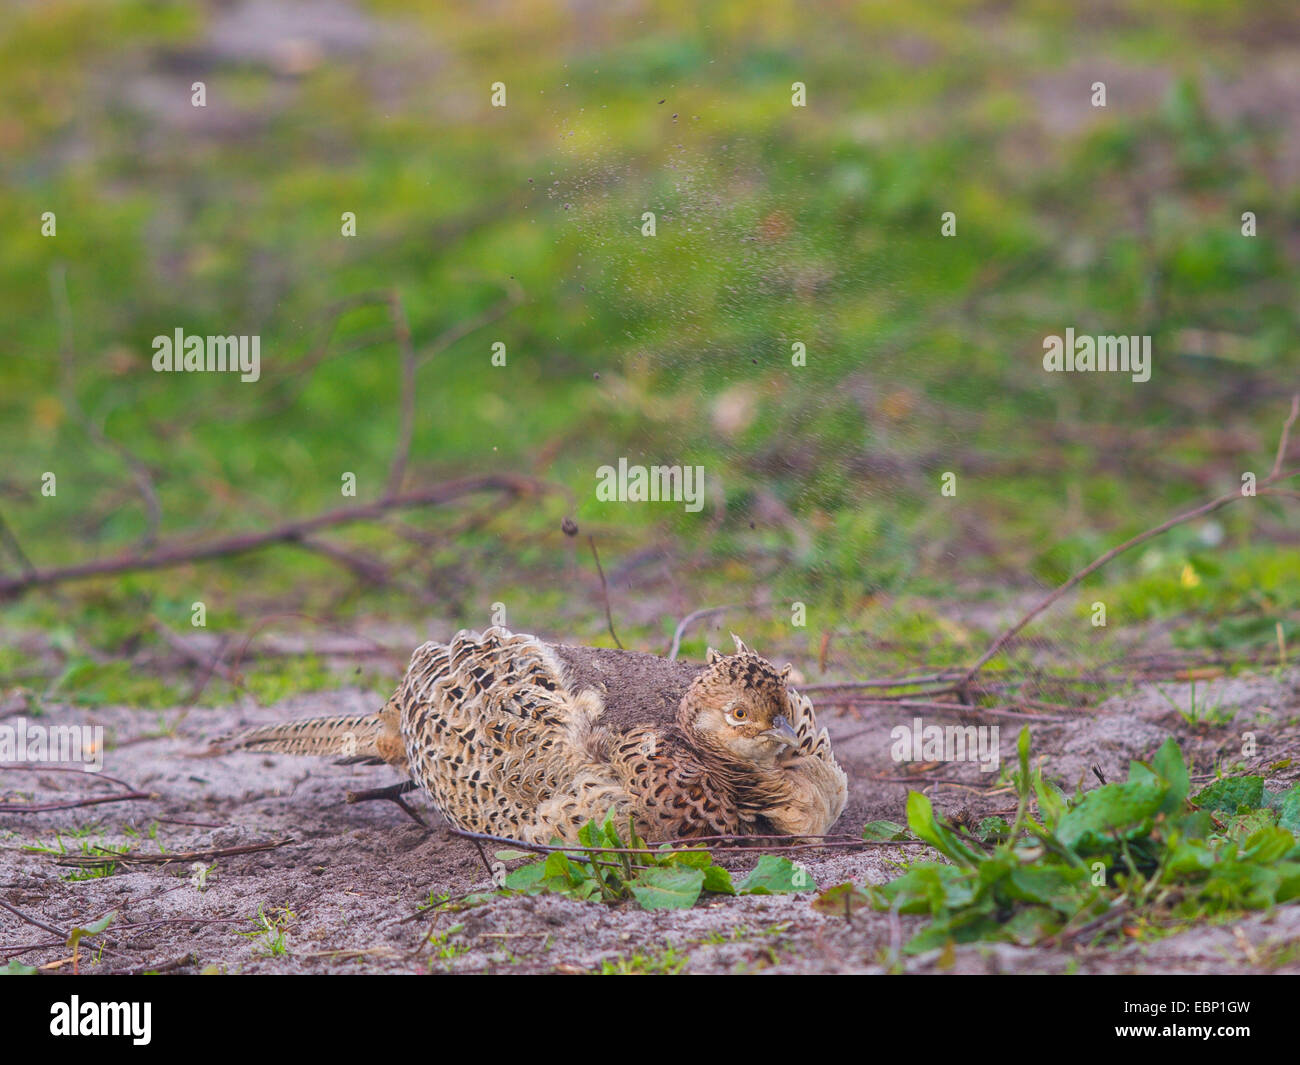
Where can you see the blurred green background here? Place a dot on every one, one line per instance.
(522, 225)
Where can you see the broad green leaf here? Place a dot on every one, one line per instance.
(17, 968)
(691, 859)
(528, 878)
(1031, 924)
(667, 889)
(775, 874)
(1232, 794)
(925, 826)
(883, 830)
(1108, 809)
(718, 879)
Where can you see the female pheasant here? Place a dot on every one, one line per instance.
(514, 737)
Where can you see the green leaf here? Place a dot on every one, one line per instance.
(17, 968)
(1049, 885)
(512, 856)
(1169, 764)
(1051, 803)
(843, 900)
(1022, 755)
(1110, 808)
(718, 879)
(775, 874)
(1031, 924)
(925, 826)
(527, 878)
(593, 835)
(692, 859)
(883, 830)
(667, 888)
(1232, 794)
(78, 933)
(992, 828)
(1287, 805)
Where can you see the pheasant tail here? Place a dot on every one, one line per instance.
(352, 738)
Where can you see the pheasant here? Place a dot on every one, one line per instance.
(513, 737)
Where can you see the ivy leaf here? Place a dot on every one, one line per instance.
(667, 888)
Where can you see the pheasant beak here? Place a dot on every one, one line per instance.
(782, 731)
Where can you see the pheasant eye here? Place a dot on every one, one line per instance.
(739, 713)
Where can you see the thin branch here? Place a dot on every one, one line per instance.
(140, 473)
(402, 330)
(65, 936)
(513, 297)
(15, 548)
(747, 844)
(1277, 475)
(209, 665)
(128, 794)
(368, 570)
(93, 860)
(289, 533)
(887, 682)
(182, 962)
(685, 623)
(604, 590)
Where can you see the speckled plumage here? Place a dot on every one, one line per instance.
(514, 737)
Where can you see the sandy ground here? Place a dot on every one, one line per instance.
(348, 888)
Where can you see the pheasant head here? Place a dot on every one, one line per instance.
(740, 708)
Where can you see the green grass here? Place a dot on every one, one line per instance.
(775, 224)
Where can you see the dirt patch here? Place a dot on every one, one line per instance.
(346, 891)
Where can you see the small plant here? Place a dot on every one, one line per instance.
(444, 950)
(441, 902)
(1137, 853)
(603, 866)
(90, 850)
(668, 962)
(1211, 715)
(271, 930)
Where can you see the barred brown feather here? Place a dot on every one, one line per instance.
(514, 737)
